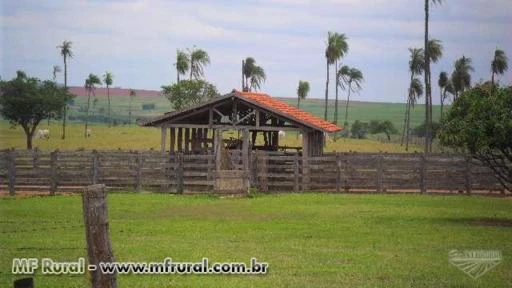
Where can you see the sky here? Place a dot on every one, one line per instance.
(137, 40)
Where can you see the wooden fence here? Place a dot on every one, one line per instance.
(68, 171)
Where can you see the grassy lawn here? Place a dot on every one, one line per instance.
(309, 240)
(143, 138)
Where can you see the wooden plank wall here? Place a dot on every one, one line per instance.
(57, 171)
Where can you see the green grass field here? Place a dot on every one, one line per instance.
(309, 240)
(142, 138)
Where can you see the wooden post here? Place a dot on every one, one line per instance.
(138, 172)
(53, 172)
(467, 175)
(263, 171)
(99, 247)
(193, 141)
(199, 140)
(305, 161)
(179, 172)
(180, 139)
(245, 157)
(11, 171)
(187, 139)
(423, 188)
(379, 173)
(296, 172)
(338, 172)
(217, 149)
(172, 140)
(254, 169)
(95, 167)
(35, 158)
(164, 138)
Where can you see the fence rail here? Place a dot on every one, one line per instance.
(58, 171)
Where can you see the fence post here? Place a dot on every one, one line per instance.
(338, 172)
(99, 247)
(467, 175)
(379, 172)
(263, 171)
(254, 169)
(179, 172)
(296, 171)
(35, 158)
(138, 172)
(423, 188)
(11, 171)
(53, 172)
(95, 167)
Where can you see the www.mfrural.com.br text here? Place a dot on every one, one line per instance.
(47, 266)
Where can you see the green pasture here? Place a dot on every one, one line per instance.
(309, 240)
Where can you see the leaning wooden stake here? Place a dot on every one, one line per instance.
(99, 248)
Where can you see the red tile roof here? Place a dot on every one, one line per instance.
(290, 111)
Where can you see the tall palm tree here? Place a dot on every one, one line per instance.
(258, 76)
(90, 83)
(56, 69)
(182, 64)
(428, 91)
(247, 69)
(336, 48)
(108, 78)
(65, 52)
(302, 93)
(435, 52)
(342, 49)
(415, 92)
(445, 86)
(416, 67)
(349, 77)
(133, 94)
(198, 59)
(461, 77)
(499, 64)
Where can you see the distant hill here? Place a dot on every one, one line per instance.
(115, 91)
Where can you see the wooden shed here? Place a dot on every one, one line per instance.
(199, 129)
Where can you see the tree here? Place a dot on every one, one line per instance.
(385, 127)
(499, 64)
(416, 67)
(56, 69)
(302, 93)
(65, 52)
(461, 77)
(108, 78)
(435, 52)
(189, 93)
(26, 101)
(254, 75)
(198, 59)
(428, 91)
(90, 83)
(415, 92)
(445, 86)
(337, 47)
(133, 94)
(350, 76)
(359, 129)
(480, 122)
(182, 64)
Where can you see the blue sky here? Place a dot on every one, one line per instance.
(137, 40)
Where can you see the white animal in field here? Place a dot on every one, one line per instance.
(281, 134)
(88, 132)
(326, 137)
(43, 134)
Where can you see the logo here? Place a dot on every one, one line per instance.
(474, 263)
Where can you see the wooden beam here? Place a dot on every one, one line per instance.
(245, 117)
(172, 140)
(180, 139)
(236, 127)
(257, 117)
(218, 149)
(187, 139)
(210, 117)
(163, 138)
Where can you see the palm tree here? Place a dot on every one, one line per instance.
(337, 47)
(65, 52)
(258, 76)
(198, 59)
(342, 49)
(435, 52)
(108, 79)
(90, 83)
(349, 77)
(499, 64)
(428, 92)
(461, 77)
(182, 64)
(415, 92)
(56, 69)
(247, 69)
(445, 86)
(302, 93)
(133, 94)
(416, 66)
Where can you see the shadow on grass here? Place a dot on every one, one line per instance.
(483, 221)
